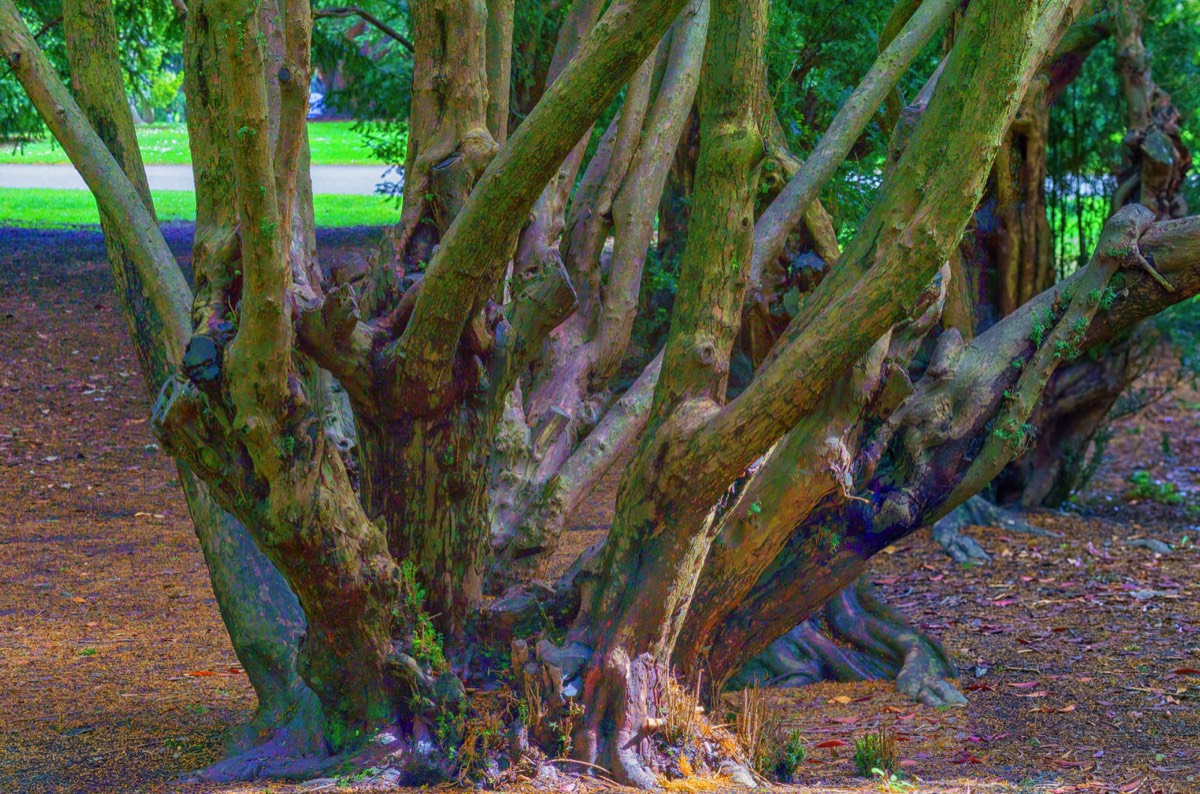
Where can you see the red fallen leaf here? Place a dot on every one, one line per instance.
(1059, 628)
(980, 687)
(966, 758)
(199, 673)
(1186, 671)
(830, 743)
(236, 670)
(1024, 685)
(1071, 764)
(937, 578)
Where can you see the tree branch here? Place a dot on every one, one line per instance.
(908, 235)
(776, 223)
(636, 203)
(354, 11)
(499, 66)
(258, 361)
(470, 256)
(546, 218)
(955, 430)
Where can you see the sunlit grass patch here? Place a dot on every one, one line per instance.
(45, 208)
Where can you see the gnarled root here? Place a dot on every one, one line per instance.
(806, 655)
(881, 645)
(976, 512)
(288, 745)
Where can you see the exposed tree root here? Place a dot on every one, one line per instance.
(287, 746)
(977, 512)
(876, 643)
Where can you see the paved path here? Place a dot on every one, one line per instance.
(345, 179)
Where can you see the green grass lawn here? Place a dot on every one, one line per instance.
(332, 143)
(40, 208)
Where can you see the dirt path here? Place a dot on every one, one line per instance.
(1079, 653)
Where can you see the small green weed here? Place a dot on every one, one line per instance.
(1143, 487)
(876, 751)
(890, 781)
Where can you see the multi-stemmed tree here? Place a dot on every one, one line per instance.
(366, 458)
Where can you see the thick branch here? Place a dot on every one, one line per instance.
(955, 431)
(258, 363)
(499, 66)
(919, 219)
(546, 218)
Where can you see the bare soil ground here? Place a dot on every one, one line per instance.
(1080, 654)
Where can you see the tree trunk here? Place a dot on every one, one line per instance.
(839, 446)
(259, 609)
(648, 571)
(427, 479)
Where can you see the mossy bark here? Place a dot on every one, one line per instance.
(259, 610)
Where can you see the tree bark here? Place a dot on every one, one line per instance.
(259, 610)
(634, 616)
(965, 418)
